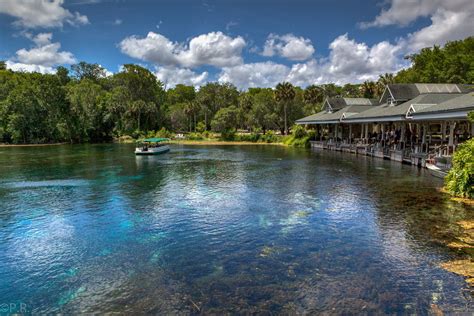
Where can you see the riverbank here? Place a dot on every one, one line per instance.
(32, 145)
(220, 142)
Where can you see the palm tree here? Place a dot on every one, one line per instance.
(313, 96)
(368, 89)
(383, 81)
(285, 93)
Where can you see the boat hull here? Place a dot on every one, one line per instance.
(436, 171)
(152, 151)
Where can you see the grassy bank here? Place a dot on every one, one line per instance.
(221, 142)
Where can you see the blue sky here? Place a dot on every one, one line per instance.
(247, 43)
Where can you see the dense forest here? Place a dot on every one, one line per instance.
(82, 104)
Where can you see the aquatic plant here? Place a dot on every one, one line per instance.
(460, 179)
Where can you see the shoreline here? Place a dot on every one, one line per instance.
(32, 145)
(218, 142)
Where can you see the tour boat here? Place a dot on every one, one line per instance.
(436, 171)
(152, 146)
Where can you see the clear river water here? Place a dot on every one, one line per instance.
(223, 229)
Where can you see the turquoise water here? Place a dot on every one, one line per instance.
(223, 229)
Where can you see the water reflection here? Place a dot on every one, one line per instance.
(223, 230)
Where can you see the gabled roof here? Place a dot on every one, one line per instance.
(338, 103)
(406, 91)
(386, 112)
(308, 119)
(334, 117)
(401, 92)
(462, 104)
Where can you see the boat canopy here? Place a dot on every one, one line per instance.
(155, 140)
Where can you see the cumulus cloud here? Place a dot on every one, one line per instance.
(42, 57)
(215, 49)
(403, 12)
(450, 20)
(348, 62)
(264, 74)
(445, 26)
(358, 61)
(172, 76)
(41, 13)
(15, 66)
(288, 46)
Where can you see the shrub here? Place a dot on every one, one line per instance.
(253, 137)
(228, 134)
(300, 137)
(298, 131)
(460, 179)
(194, 136)
(269, 137)
(163, 132)
(201, 127)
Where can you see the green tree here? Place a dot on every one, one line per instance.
(84, 70)
(453, 63)
(87, 110)
(284, 94)
(214, 96)
(225, 121)
(313, 98)
(63, 75)
(262, 114)
(369, 89)
(383, 81)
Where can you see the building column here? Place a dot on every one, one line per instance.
(423, 137)
(452, 125)
(366, 138)
(418, 132)
(402, 135)
(350, 133)
(443, 132)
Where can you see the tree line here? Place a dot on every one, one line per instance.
(82, 104)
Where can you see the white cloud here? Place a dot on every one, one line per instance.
(215, 49)
(29, 67)
(41, 13)
(348, 61)
(172, 76)
(450, 20)
(288, 46)
(305, 74)
(403, 12)
(41, 58)
(445, 26)
(117, 22)
(265, 74)
(357, 61)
